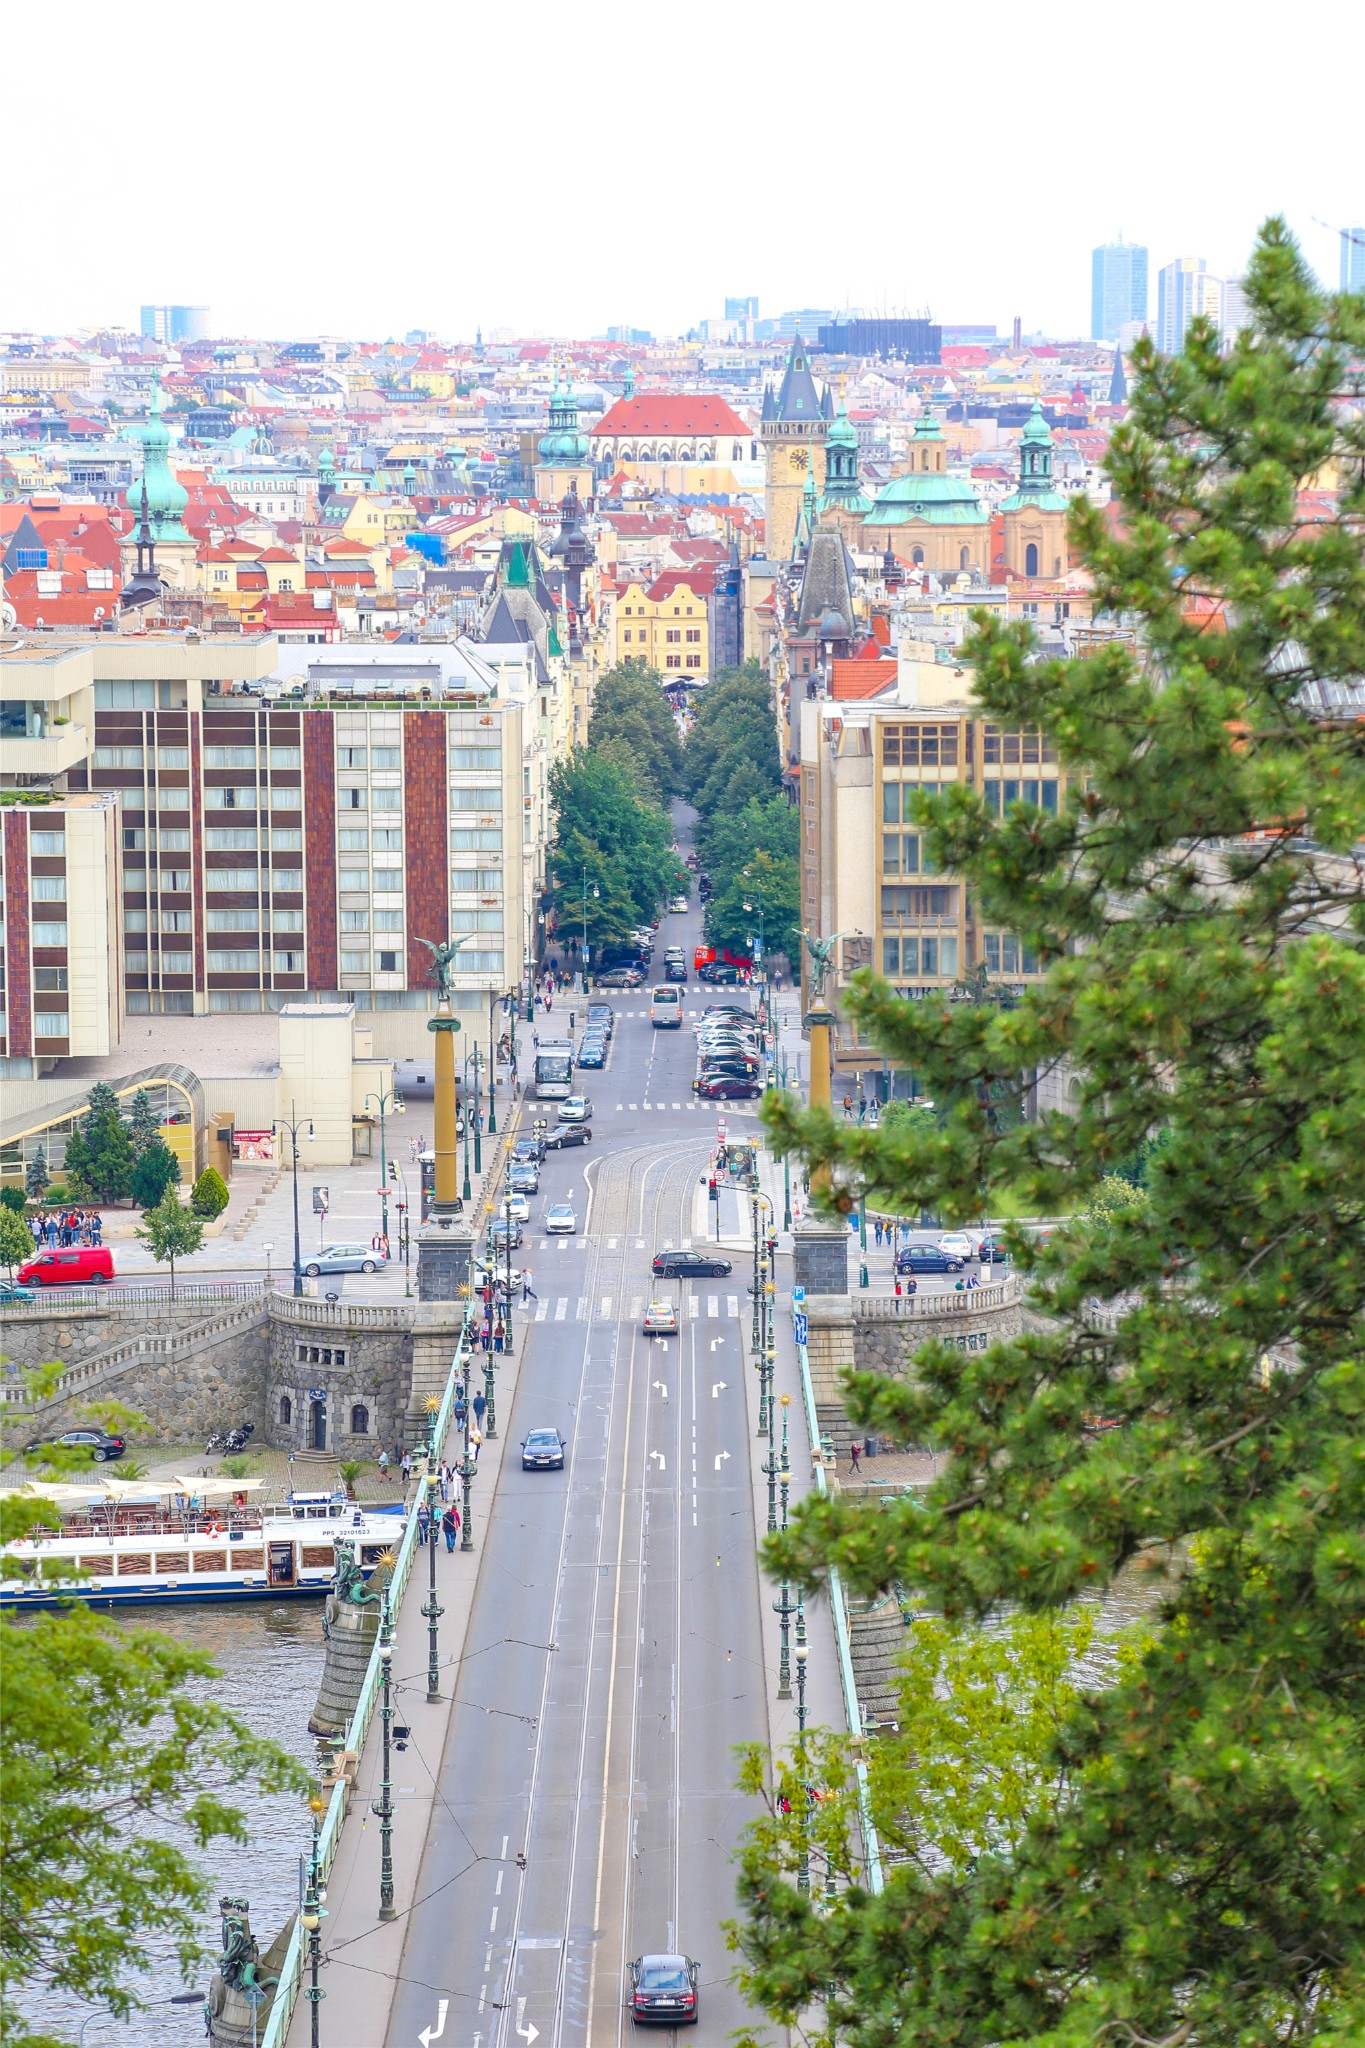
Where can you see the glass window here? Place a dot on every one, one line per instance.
(286, 878)
(354, 963)
(49, 980)
(483, 797)
(119, 757)
(286, 838)
(476, 757)
(355, 920)
(388, 838)
(353, 840)
(51, 1024)
(231, 838)
(236, 960)
(386, 799)
(351, 798)
(286, 920)
(49, 934)
(352, 757)
(135, 920)
(286, 757)
(125, 696)
(135, 839)
(229, 757)
(354, 878)
(891, 957)
(175, 879)
(288, 963)
(48, 888)
(386, 757)
(177, 963)
(136, 963)
(183, 921)
(47, 842)
(230, 920)
(171, 799)
(388, 878)
(232, 878)
(172, 839)
(487, 838)
(286, 796)
(388, 920)
(173, 757)
(483, 879)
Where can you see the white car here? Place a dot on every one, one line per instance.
(661, 1319)
(960, 1244)
(560, 1220)
(575, 1109)
(677, 903)
(517, 1207)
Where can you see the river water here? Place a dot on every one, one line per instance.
(270, 1661)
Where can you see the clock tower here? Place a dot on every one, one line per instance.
(794, 430)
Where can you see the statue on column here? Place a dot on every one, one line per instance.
(443, 960)
(821, 953)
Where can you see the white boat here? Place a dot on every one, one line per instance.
(128, 1542)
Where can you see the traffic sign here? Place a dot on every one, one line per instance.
(798, 1296)
(800, 1326)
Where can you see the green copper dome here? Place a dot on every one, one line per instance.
(166, 496)
(564, 443)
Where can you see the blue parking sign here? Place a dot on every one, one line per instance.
(801, 1327)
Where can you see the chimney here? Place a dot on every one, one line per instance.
(1018, 332)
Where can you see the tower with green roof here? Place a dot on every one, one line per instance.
(843, 499)
(1035, 511)
(563, 456)
(933, 520)
(794, 429)
(165, 501)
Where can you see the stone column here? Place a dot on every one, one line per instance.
(446, 1201)
(445, 1251)
(820, 1256)
(818, 1021)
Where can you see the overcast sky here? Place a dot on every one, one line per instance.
(363, 170)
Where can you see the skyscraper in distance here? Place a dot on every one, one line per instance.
(1118, 287)
(1353, 259)
(1184, 289)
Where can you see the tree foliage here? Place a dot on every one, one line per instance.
(171, 1231)
(1200, 909)
(609, 836)
(16, 1241)
(634, 724)
(732, 751)
(210, 1195)
(747, 832)
(155, 1169)
(142, 1122)
(99, 1153)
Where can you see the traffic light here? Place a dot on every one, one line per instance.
(393, 1171)
(713, 1190)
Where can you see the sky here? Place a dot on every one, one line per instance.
(550, 169)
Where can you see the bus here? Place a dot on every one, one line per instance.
(665, 1009)
(554, 1069)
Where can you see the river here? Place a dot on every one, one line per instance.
(270, 1661)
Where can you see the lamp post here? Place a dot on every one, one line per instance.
(596, 897)
(386, 1101)
(293, 1123)
(312, 1918)
(786, 1165)
(802, 1652)
(784, 1608)
(862, 1237)
(770, 1467)
(467, 1189)
(786, 1471)
(506, 1310)
(762, 1339)
(472, 1059)
(384, 1805)
(432, 1611)
(511, 1000)
(466, 1463)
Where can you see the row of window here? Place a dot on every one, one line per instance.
(1031, 745)
(906, 906)
(47, 842)
(359, 878)
(903, 854)
(373, 757)
(922, 953)
(1001, 792)
(677, 661)
(359, 963)
(920, 746)
(214, 757)
(357, 839)
(384, 920)
(236, 797)
(248, 920)
(1003, 953)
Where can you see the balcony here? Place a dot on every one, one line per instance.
(38, 757)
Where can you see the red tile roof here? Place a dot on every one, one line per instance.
(667, 412)
(858, 679)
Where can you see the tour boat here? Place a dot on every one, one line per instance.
(143, 1543)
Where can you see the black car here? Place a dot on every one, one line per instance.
(720, 972)
(671, 1265)
(620, 977)
(542, 1451)
(529, 1150)
(675, 970)
(663, 1989)
(564, 1135)
(602, 1014)
(927, 1258)
(728, 1070)
(592, 1053)
(499, 1231)
(98, 1442)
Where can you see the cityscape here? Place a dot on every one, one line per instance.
(681, 1058)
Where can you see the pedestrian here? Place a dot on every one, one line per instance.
(450, 1524)
(528, 1292)
(486, 1336)
(898, 1283)
(848, 1105)
(423, 1522)
(877, 1231)
(376, 1242)
(383, 1462)
(475, 1440)
(480, 1409)
(445, 1480)
(854, 1454)
(498, 1334)
(862, 1109)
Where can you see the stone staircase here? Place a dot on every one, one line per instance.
(249, 1215)
(877, 1637)
(95, 1374)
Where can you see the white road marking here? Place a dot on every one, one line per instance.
(694, 1306)
(713, 1305)
(732, 1305)
(581, 1312)
(605, 1309)
(720, 1456)
(561, 1308)
(718, 1387)
(659, 1456)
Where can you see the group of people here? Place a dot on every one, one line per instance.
(869, 1111)
(67, 1227)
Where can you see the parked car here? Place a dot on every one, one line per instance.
(542, 1450)
(663, 1989)
(726, 1088)
(927, 1258)
(77, 1265)
(991, 1251)
(98, 1442)
(661, 1319)
(11, 1291)
(675, 970)
(560, 1220)
(679, 1265)
(620, 977)
(593, 1052)
(515, 1205)
(564, 1135)
(500, 1230)
(677, 904)
(575, 1109)
(959, 1244)
(344, 1258)
(603, 1014)
(530, 1150)
(720, 972)
(523, 1176)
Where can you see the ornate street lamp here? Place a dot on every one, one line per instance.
(383, 1807)
(785, 1475)
(802, 1652)
(784, 1609)
(312, 1918)
(432, 1610)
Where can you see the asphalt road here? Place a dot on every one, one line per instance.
(611, 1662)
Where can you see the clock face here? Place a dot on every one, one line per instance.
(799, 458)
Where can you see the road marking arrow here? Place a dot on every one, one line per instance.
(662, 1388)
(660, 1456)
(719, 1456)
(716, 1343)
(528, 2032)
(718, 1387)
(427, 2036)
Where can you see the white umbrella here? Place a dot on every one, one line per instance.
(215, 1489)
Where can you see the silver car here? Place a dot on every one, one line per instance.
(345, 1258)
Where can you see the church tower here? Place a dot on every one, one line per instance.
(794, 430)
(1035, 514)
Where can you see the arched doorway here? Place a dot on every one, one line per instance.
(317, 1424)
(1031, 559)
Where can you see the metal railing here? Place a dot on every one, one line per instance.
(65, 1300)
(329, 1838)
(853, 1712)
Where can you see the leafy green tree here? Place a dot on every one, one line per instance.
(1199, 911)
(15, 1199)
(776, 884)
(210, 1195)
(629, 707)
(623, 844)
(171, 1231)
(99, 1154)
(16, 1241)
(36, 1177)
(1116, 1196)
(155, 1169)
(142, 1122)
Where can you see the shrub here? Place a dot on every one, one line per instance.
(210, 1195)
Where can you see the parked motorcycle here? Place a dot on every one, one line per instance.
(231, 1439)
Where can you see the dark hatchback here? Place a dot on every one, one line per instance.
(620, 977)
(542, 1451)
(927, 1258)
(564, 1135)
(690, 1265)
(663, 1989)
(726, 1088)
(593, 1052)
(601, 1015)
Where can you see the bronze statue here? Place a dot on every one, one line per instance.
(821, 959)
(350, 1581)
(443, 959)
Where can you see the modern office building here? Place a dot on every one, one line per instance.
(1118, 288)
(742, 309)
(1184, 291)
(913, 341)
(1236, 313)
(172, 324)
(1353, 259)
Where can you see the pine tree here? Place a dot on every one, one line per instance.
(1200, 910)
(154, 1171)
(36, 1176)
(142, 1122)
(99, 1155)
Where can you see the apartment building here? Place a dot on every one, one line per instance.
(257, 852)
(61, 982)
(865, 870)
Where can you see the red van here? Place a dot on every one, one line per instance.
(75, 1265)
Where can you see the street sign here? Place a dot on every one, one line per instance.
(798, 1296)
(800, 1327)
(322, 1201)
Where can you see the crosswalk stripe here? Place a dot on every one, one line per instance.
(561, 1308)
(646, 1105)
(633, 1105)
(611, 1244)
(712, 1305)
(605, 1309)
(677, 1105)
(732, 1304)
(636, 1305)
(639, 1244)
(694, 1305)
(542, 1310)
(619, 1107)
(581, 1312)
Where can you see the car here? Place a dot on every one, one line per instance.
(482, 1275)
(959, 1244)
(98, 1442)
(501, 1230)
(663, 1989)
(620, 977)
(991, 1251)
(718, 1046)
(603, 1014)
(734, 1011)
(680, 1265)
(575, 1109)
(730, 1063)
(542, 1450)
(345, 1258)
(675, 970)
(677, 904)
(726, 1088)
(693, 862)
(592, 1053)
(927, 1258)
(11, 1291)
(523, 1177)
(530, 1151)
(77, 1265)
(560, 1220)
(661, 1319)
(515, 1205)
(564, 1135)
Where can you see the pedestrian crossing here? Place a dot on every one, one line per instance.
(568, 1308)
(737, 1107)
